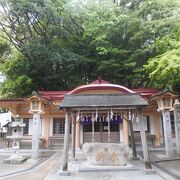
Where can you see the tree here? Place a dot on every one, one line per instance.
(164, 68)
(61, 45)
(37, 30)
(17, 82)
(4, 49)
(122, 38)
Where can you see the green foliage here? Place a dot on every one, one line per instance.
(44, 61)
(122, 38)
(164, 70)
(62, 44)
(17, 81)
(4, 49)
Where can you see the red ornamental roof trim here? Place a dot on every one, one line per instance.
(100, 87)
(146, 92)
(53, 94)
(17, 99)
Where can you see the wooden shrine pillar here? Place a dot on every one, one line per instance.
(125, 129)
(73, 135)
(133, 143)
(77, 139)
(66, 145)
(144, 141)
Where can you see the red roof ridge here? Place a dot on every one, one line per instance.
(100, 81)
(52, 92)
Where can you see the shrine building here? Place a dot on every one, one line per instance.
(101, 112)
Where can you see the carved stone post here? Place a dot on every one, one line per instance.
(177, 124)
(167, 133)
(35, 136)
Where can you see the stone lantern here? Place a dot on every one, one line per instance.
(36, 104)
(16, 129)
(36, 108)
(164, 100)
(17, 132)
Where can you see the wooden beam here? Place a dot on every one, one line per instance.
(144, 141)
(66, 143)
(133, 144)
(73, 135)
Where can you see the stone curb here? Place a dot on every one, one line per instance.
(107, 170)
(30, 169)
(165, 171)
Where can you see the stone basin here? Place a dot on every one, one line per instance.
(107, 154)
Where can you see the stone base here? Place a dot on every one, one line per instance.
(15, 159)
(32, 161)
(135, 158)
(150, 171)
(85, 167)
(11, 160)
(63, 173)
(164, 157)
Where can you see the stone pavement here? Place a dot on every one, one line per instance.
(170, 165)
(49, 168)
(7, 170)
(107, 175)
(39, 172)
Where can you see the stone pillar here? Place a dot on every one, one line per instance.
(144, 142)
(167, 133)
(66, 144)
(35, 136)
(177, 124)
(125, 129)
(78, 135)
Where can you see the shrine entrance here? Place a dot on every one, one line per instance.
(98, 118)
(101, 127)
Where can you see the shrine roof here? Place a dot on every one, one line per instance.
(98, 84)
(53, 94)
(146, 92)
(103, 100)
(12, 99)
(100, 81)
(163, 92)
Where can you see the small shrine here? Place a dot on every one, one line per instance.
(16, 130)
